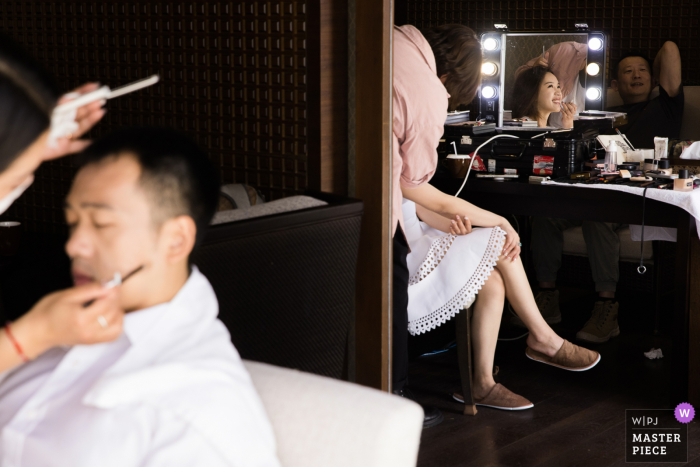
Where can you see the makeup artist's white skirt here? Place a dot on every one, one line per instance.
(445, 271)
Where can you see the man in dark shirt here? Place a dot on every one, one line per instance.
(660, 116)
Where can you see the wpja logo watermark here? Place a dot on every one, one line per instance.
(658, 435)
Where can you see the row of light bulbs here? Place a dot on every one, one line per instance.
(492, 44)
(490, 69)
(490, 92)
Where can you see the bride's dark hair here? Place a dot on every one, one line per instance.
(526, 91)
(27, 98)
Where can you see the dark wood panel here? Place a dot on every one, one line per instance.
(328, 96)
(373, 186)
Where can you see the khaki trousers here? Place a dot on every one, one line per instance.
(602, 243)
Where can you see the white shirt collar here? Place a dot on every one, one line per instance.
(141, 324)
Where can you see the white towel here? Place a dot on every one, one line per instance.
(692, 151)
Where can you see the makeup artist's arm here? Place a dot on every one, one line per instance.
(459, 225)
(667, 68)
(61, 318)
(448, 206)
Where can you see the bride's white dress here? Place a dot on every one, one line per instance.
(445, 271)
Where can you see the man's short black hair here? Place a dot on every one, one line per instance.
(175, 172)
(632, 53)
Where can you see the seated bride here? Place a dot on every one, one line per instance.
(539, 96)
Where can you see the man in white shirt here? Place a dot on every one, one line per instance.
(171, 390)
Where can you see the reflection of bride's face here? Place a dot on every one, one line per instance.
(549, 99)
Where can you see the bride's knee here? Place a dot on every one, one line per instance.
(506, 264)
(495, 283)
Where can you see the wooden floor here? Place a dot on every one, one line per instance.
(578, 418)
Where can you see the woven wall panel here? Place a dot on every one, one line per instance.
(640, 25)
(233, 76)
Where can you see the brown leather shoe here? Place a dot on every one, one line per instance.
(569, 357)
(500, 398)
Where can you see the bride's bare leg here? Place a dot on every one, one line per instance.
(542, 338)
(486, 321)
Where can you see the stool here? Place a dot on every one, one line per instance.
(464, 357)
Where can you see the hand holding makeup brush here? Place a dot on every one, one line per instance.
(61, 318)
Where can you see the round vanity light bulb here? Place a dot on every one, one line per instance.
(595, 43)
(488, 92)
(593, 69)
(593, 94)
(490, 44)
(489, 68)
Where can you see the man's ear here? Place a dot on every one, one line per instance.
(613, 84)
(178, 234)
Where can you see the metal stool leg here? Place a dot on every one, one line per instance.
(464, 356)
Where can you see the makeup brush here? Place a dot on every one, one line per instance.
(117, 280)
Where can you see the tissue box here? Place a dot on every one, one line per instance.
(637, 156)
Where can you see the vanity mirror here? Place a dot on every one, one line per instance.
(577, 57)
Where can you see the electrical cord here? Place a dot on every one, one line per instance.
(642, 269)
(471, 162)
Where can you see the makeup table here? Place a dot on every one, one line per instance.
(523, 199)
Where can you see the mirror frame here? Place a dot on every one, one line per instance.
(492, 108)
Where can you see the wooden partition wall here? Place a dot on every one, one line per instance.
(373, 185)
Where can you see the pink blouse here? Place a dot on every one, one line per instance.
(419, 111)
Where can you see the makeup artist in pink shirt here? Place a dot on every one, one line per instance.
(433, 70)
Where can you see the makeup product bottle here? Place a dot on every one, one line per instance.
(684, 182)
(665, 167)
(649, 164)
(611, 157)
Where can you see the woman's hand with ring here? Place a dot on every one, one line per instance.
(62, 318)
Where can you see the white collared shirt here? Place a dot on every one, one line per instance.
(171, 391)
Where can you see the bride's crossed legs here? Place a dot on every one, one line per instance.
(507, 280)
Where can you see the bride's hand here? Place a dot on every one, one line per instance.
(511, 249)
(460, 226)
(568, 110)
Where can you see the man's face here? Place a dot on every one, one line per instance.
(634, 79)
(111, 228)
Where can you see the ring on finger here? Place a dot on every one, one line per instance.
(103, 322)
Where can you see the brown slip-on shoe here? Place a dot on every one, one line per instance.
(569, 357)
(500, 398)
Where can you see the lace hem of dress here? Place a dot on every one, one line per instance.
(466, 294)
(438, 250)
